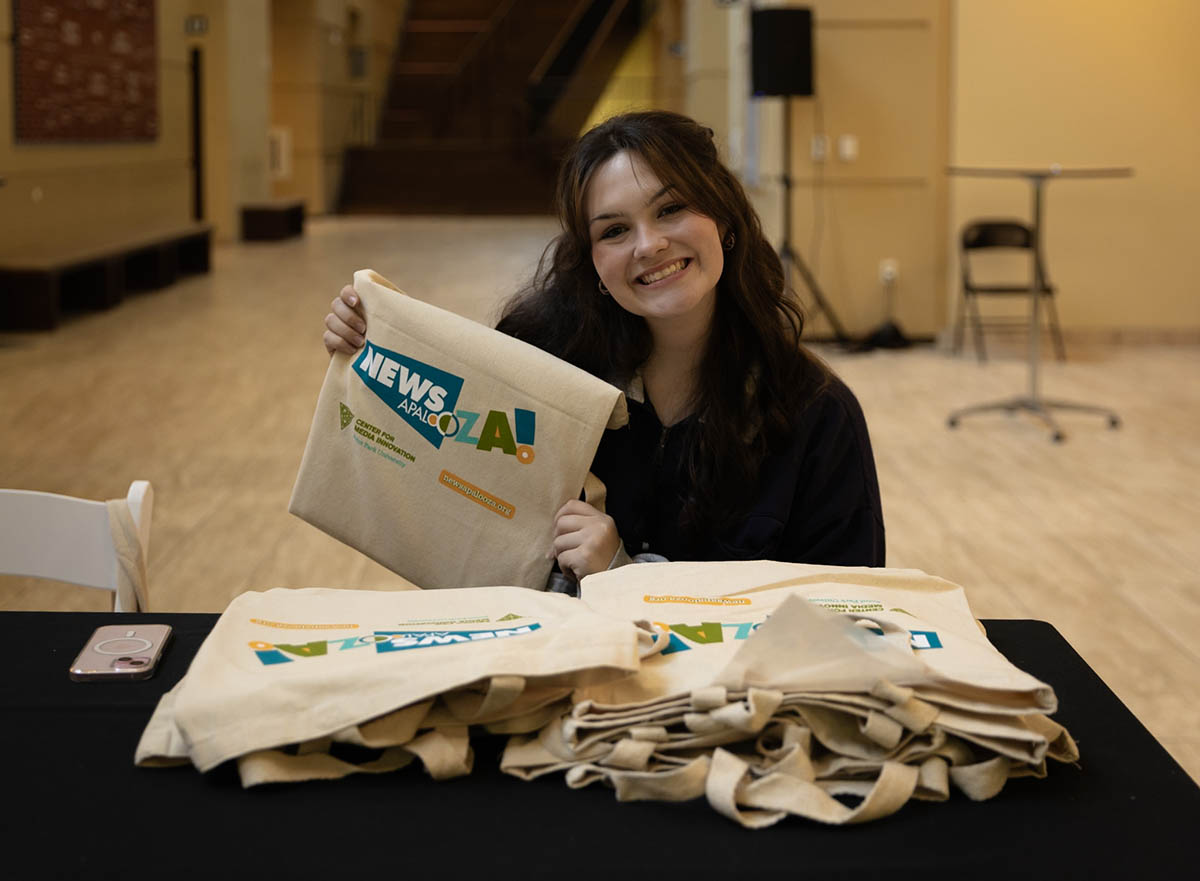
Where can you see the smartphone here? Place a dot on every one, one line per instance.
(121, 651)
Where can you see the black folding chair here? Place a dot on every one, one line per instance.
(997, 234)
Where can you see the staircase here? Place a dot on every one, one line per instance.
(485, 96)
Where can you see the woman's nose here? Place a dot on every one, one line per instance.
(650, 240)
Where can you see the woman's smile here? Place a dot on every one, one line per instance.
(663, 273)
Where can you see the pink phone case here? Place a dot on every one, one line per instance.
(121, 651)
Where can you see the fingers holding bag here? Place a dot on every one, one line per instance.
(345, 324)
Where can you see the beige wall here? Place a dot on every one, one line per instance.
(1090, 83)
(74, 192)
(921, 84)
(92, 191)
(881, 75)
(313, 98)
(924, 84)
(236, 63)
(265, 63)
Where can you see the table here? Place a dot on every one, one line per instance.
(1033, 402)
(79, 808)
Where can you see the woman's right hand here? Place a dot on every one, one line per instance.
(345, 326)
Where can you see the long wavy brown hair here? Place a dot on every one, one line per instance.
(755, 377)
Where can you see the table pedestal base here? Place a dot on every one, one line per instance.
(1038, 407)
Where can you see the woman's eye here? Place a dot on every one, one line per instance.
(612, 232)
(672, 208)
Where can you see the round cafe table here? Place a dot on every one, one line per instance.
(1033, 401)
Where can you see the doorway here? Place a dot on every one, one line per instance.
(196, 72)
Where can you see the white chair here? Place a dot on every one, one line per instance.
(63, 538)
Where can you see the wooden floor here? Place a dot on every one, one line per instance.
(207, 390)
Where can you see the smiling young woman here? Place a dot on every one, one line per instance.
(741, 444)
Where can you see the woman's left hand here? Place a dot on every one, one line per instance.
(585, 539)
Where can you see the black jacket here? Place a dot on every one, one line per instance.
(817, 502)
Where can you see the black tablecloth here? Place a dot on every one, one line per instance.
(79, 808)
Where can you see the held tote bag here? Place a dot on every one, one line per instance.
(442, 449)
(305, 669)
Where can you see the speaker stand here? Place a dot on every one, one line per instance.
(788, 255)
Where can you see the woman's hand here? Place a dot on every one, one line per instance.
(585, 540)
(345, 326)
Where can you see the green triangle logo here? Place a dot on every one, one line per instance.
(510, 617)
(347, 416)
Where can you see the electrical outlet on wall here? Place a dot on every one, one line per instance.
(820, 148)
(848, 147)
(889, 271)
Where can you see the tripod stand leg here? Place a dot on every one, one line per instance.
(1114, 421)
(791, 258)
(787, 255)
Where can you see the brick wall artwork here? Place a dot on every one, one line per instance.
(85, 71)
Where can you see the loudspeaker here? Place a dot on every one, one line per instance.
(781, 60)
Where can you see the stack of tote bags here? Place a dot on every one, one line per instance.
(319, 683)
(772, 689)
(782, 686)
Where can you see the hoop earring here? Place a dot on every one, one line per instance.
(600, 285)
(729, 241)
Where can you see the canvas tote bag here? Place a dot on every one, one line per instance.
(305, 668)
(442, 449)
(769, 704)
(708, 609)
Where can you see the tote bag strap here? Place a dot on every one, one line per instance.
(756, 803)
(594, 491)
(445, 752)
(276, 766)
(131, 593)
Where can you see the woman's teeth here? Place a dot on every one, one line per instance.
(652, 277)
